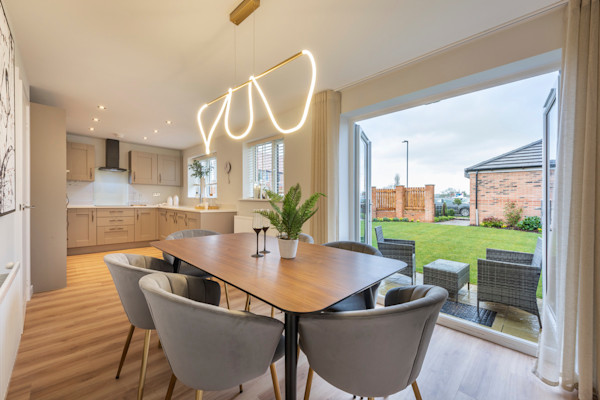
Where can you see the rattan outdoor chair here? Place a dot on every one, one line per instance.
(510, 278)
(403, 250)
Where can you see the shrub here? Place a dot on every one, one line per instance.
(450, 212)
(386, 219)
(412, 220)
(436, 219)
(404, 219)
(512, 213)
(492, 222)
(374, 219)
(395, 219)
(418, 220)
(530, 224)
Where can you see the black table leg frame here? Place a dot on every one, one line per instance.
(291, 348)
(176, 265)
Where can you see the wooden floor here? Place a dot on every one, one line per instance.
(73, 340)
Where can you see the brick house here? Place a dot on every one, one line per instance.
(514, 176)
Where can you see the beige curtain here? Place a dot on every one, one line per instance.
(326, 110)
(569, 350)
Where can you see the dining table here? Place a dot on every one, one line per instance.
(316, 279)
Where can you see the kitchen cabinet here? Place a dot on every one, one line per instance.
(81, 227)
(193, 220)
(143, 168)
(169, 170)
(81, 162)
(163, 224)
(145, 224)
(115, 225)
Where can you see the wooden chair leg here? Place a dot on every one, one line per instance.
(272, 312)
(241, 388)
(125, 349)
(275, 382)
(199, 394)
(227, 296)
(309, 379)
(171, 387)
(144, 364)
(416, 390)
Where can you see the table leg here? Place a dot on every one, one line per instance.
(176, 265)
(291, 348)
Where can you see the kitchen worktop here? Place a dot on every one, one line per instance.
(176, 208)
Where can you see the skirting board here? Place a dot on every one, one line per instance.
(106, 247)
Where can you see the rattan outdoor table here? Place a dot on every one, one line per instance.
(451, 275)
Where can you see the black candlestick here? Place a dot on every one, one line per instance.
(257, 255)
(265, 229)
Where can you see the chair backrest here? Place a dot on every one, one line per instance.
(306, 238)
(376, 352)
(126, 270)
(379, 234)
(208, 347)
(187, 233)
(354, 246)
(537, 255)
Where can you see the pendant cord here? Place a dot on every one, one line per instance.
(253, 43)
(234, 54)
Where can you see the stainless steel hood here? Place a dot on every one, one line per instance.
(112, 157)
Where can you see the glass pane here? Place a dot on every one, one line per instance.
(362, 188)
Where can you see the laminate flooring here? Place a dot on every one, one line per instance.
(73, 339)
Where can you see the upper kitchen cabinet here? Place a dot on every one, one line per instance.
(169, 170)
(81, 162)
(143, 168)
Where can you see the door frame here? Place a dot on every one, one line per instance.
(360, 135)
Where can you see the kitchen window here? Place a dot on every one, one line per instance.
(264, 168)
(210, 181)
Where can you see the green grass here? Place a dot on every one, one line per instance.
(457, 243)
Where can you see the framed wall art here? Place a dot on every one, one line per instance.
(7, 118)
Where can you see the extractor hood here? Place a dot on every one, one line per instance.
(112, 157)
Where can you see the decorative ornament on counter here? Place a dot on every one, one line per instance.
(228, 170)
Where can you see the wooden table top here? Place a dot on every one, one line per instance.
(317, 278)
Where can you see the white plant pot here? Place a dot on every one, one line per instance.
(288, 248)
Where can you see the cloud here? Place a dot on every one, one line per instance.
(450, 135)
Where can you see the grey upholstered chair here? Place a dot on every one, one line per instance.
(208, 347)
(306, 238)
(126, 271)
(376, 352)
(511, 278)
(365, 299)
(398, 249)
(185, 268)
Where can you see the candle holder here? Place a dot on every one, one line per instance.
(265, 227)
(257, 226)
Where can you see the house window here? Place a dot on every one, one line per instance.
(210, 181)
(264, 167)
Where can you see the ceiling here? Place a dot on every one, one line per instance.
(150, 61)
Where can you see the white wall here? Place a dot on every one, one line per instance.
(297, 158)
(82, 193)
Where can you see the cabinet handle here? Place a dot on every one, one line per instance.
(90, 173)
(116, 211)
(92, 216)
(159, 178)
(138, 215)
(115, 229)
(134, 176)
(116, 220)
(185, 220)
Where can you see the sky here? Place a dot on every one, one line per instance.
(448, 136)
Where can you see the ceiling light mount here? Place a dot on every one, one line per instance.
(243, 11)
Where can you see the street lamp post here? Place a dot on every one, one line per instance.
(406, 141)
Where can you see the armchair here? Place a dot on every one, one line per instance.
(403, 250)
(511, 278)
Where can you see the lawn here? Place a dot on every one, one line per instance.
(457, 243)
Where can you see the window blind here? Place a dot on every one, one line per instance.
(265, 167)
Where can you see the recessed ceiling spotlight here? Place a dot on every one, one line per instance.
(169, 122)
(145, 138)
(101, 107)
(95, 119)
(156, 131)
(92, 128)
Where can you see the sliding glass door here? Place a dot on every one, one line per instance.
(364, 185)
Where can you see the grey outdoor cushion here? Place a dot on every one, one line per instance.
(375, 352)
(357, 301)
(126, 270)
(208, 347)
(184, 267)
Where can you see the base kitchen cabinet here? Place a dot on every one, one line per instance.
(145, 224)
(115, 234)
(81, 227)
(115, 225)
(163, 224)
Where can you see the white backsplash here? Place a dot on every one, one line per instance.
(113, 188)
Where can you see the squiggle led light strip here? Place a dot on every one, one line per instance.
(254, 80)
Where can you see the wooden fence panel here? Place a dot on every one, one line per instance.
(385, 199)
(414, 198)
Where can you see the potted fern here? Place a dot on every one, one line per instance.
(289, 218)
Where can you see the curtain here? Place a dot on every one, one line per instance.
(326, 109)
(569, 349)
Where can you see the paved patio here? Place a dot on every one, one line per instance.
(509, 320)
